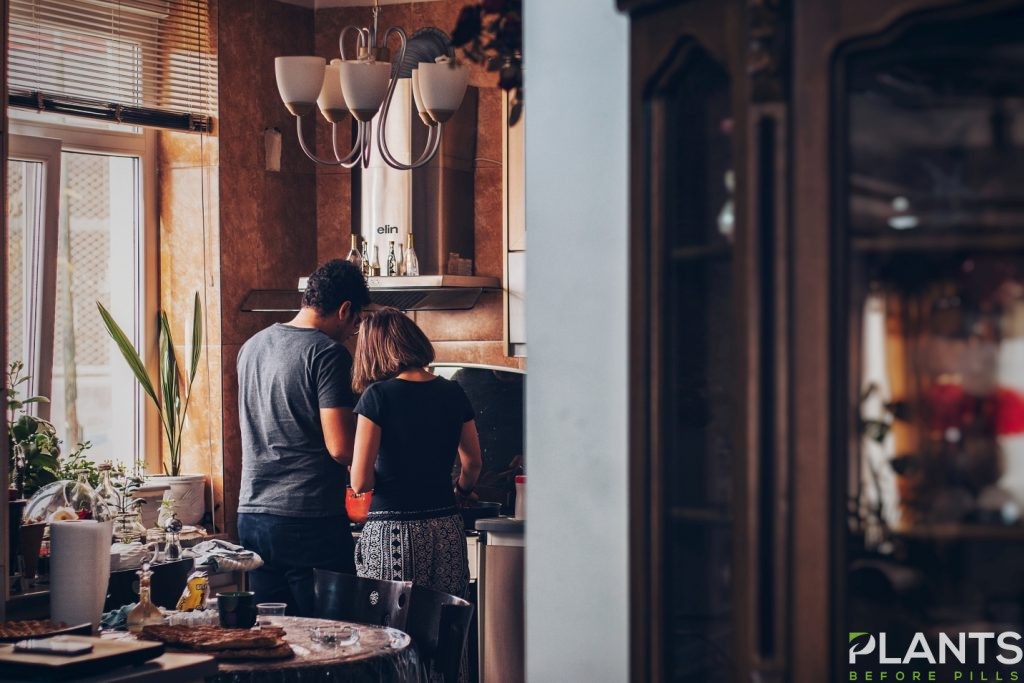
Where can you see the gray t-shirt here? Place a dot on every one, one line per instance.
(285, 376)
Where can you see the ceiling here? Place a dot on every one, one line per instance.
(323, 4)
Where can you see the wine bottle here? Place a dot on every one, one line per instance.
(392, 262)
(375, 263)
(366, 259)
(353, 253)
(399, 259)
(412, 263)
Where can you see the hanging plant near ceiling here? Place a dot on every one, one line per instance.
(491, 33)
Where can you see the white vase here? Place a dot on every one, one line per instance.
(188, 491)
(152, 493)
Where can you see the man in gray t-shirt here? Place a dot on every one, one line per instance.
(295, 405)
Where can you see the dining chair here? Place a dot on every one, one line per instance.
(438, 624)
(346, 597)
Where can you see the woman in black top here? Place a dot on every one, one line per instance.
(411, 427)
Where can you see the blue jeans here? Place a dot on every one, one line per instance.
(291, 547)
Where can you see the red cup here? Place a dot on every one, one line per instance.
(357, 505)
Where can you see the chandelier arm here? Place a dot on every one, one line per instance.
(305, 148)
(382, 119)
(363, 38)
(367, 143)
(353, 156)
(430, 148)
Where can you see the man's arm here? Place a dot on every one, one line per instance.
(339, 425)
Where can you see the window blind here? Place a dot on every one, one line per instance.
(141, 62)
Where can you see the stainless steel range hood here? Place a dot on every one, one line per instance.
(421, 293)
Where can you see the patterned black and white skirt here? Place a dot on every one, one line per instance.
(430, 552)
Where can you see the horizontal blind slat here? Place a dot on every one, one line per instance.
(143, 55)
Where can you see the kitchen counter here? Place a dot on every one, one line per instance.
(501, 525)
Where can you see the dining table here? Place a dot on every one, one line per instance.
(373, 653)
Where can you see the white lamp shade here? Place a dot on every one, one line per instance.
(442, 86)
(364, 85)
(298, 81)
(332, 100)
(418, 99)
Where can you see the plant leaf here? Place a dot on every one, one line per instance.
(131, 356)
(36, 399)
(197, 338)
(170, 388)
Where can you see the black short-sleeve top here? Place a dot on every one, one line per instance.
(421, 425)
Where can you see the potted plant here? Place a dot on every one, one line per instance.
(35, 462)
(170, 392)
(33, 446)
(490, 33)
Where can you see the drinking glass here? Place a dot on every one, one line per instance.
(268, 613)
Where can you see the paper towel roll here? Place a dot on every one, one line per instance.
(79, 570)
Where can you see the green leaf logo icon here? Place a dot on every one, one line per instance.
(854, 635)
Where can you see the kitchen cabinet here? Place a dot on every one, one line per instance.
(827, 270)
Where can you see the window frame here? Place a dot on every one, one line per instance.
(40, 260)
(139, 143)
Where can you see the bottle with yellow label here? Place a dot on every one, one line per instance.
(194, 596)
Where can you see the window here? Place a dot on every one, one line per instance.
(77, 237)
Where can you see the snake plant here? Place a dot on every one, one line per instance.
(172, 390)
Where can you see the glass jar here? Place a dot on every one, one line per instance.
(166, 513)
(81, 497)
(128, 527)
(106, 492)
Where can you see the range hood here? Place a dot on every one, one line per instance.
(420, 293)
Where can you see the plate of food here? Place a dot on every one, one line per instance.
(13, 631)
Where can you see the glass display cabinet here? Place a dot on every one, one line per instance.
(827, 330)
(928, 321)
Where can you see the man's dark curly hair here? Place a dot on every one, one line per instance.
(334, 283)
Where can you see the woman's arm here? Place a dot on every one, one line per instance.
(469, 458)
(365, 454)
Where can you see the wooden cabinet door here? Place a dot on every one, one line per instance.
(708, 477)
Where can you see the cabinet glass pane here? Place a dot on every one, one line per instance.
(698, 352)
(934, 397)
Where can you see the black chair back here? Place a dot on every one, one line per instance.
(165, 586)
(345, 597)
(438, 624)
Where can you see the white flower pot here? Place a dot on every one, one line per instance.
(152, 493)
(188, 491)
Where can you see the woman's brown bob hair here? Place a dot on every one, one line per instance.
(389, 343)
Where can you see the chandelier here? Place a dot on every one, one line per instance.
(366, 85)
